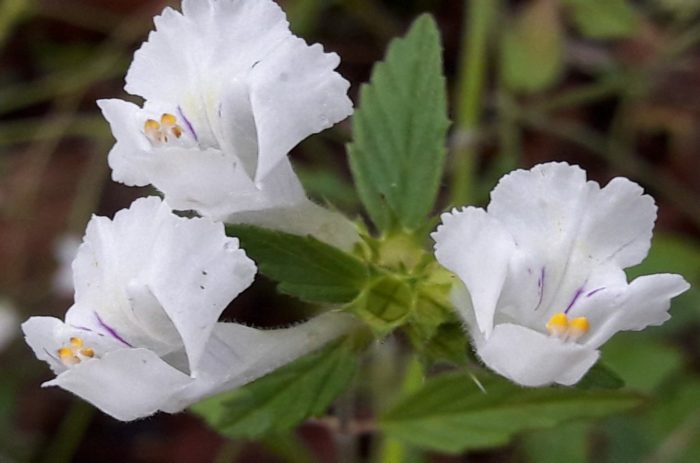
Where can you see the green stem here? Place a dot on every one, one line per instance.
(70, 433)
(582, 95)
(88, 191)
(392, 450)
(509, 144)
(33, 130)
(479, 15)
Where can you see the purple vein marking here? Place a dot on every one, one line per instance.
(595, 291)
(111, 330)
(187, 123)
(574, 299)
(84, 328)
(540, 286)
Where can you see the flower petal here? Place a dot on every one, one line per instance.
(619, 223)
(573, 225)
(152, 279)
(477, 248)
(132, 147)
(39, 332)
(236, 354)
(305, 218)
(543, 209)
(295, 92)
(115, 254)
(45, 335)
(644, 302)
(213, 182)
(196, 270)
(224, 37)
(126, 383)
(533, 359)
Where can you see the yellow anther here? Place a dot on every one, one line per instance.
(558, 324)
(151, 125)
(74, 352)
(578, 327)
(159, 132)
(168, 120)
(65, 353)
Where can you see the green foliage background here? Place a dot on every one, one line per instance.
(608, 84)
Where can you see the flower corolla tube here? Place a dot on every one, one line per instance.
(542, 282)
(143, 334)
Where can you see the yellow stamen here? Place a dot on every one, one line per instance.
(74, 352)
(151, 125)
(158, 132)
(578, 327)
(65, 353)
(168, 120)
(558, 324)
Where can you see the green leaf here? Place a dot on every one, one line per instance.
(668, 431)
(631, 354)
(399, 130)
(302, 265)
(281, 400)
(448, 344)
(600, 377)
(452, 414)
(566, 443)
(532, 49)
(604, 19)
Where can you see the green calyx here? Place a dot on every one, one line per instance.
(408, 289)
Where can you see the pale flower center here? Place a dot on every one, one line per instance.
(74, 352)
(565, 328)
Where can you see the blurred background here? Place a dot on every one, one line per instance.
(613, 85)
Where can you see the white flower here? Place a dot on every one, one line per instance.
(229, 92)
(143, 334)
(542, 267)
(9, 323)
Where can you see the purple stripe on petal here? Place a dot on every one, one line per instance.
(187, 123)
(577, 294)
(540, 286)
(111, 330)
(83, 328)
(591, 293)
